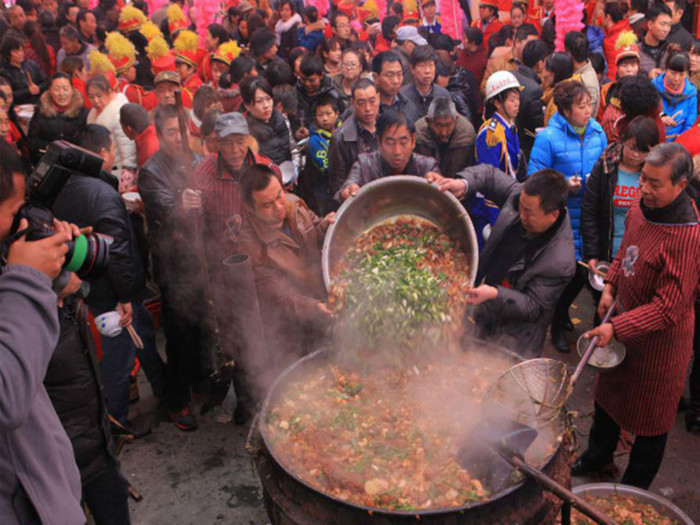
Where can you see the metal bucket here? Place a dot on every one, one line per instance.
(398, 196)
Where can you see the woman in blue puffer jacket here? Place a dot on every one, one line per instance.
(678, 94)
(571, 143)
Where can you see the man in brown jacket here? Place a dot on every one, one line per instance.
(283, 238)
(446, 136)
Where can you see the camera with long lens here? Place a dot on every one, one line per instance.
(88, 255)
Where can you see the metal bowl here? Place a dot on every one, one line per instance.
(597, 281)
(398, 196)
(662, 505)
(603, 358)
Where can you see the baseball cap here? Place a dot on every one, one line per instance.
(410, 34)
(167, 76)
(231, 124)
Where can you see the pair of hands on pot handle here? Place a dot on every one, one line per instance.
(457, 187)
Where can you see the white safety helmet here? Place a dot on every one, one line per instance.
(499, 82)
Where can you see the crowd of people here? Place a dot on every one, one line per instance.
(227, 145)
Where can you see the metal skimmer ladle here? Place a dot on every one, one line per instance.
(535, 391)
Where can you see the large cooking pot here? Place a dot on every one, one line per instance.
(291, 501)
(398, 196)
(662, 505)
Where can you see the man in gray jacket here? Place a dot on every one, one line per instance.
(39, 480)
(397, 139)
(529, 257)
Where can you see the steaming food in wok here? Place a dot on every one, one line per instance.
(381, 424)
(624, 510)
(386, 438)
(403, 282)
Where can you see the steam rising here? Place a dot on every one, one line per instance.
(381, 423)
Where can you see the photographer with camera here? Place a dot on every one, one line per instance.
(39, 480)
(92, 199)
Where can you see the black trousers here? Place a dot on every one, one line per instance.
(561, 311)
(184, 340)
(107, 497)
(645, 457)
(695, 370)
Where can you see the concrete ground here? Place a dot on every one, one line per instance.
(206, 477)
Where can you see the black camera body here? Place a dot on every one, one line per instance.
(88, 255)
(61, 160)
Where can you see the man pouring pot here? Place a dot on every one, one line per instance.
(529, 257)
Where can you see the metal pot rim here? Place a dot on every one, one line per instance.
(398, 180)
(645, 496)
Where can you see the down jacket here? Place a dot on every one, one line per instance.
(109, 118)
(273, 137)
(559, 147)
(48, 124)
(74, 384)
(682, 108)
(93, 201)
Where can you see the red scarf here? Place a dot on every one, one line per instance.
(57, 107)
(673, 91)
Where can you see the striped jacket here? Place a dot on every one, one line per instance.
(656, 277)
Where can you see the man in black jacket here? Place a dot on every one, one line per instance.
(388, 75)
(74, 385)
(312, 83)
(679, 34)
(356, 135)
(176, 266)
(95, 201)
(529, 258)
(531, 114)
(423, 90)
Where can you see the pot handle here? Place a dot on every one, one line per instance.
(252, 442)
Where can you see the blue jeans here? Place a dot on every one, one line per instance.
(118, 360)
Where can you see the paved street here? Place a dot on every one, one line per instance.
(206, 477)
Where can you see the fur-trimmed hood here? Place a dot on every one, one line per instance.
(47, 109)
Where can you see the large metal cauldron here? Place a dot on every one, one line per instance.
(291, 501)
(390, 197)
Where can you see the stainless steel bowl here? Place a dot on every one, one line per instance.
(390, 197)
(664, 506)
(597, 281)
(603, 358)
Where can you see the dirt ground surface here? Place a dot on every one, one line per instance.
(206, 476)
